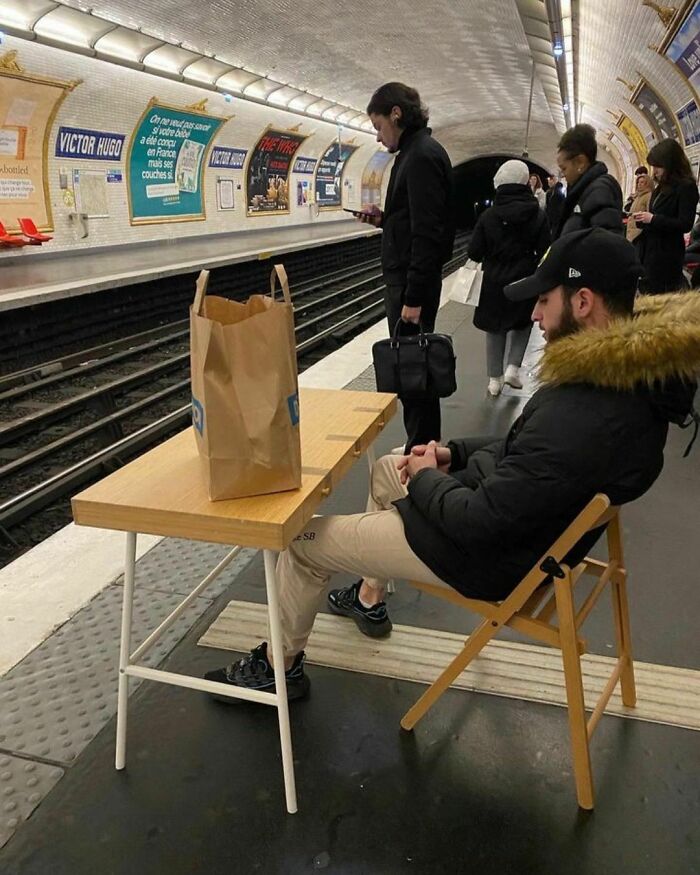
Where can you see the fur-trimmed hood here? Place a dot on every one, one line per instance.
(659, 349)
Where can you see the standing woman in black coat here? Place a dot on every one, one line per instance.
(510, 238)
(671, 214)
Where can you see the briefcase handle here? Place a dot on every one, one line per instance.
(396, 337)
(279, 273)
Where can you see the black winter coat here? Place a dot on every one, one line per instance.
(661, 244)
(554, 206)
(594, 201)
(594, 426)
(418, 221)
(510, 238)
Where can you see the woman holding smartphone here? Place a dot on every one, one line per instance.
(670, 215)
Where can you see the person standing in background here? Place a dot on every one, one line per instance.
(510, 238)
(640, 203)
(554, 202)
(535, 184)
(418, 228)
(670, 215)
(593, 196)
(640, 171)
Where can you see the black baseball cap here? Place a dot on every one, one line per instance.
(597, 259)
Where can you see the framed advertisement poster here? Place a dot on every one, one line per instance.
(661, 120)
(684, 48)
(634, 137)
(372, 175)
(328, 181)
(28, 107)
(268, 171)
(166, 161)
(689, 120)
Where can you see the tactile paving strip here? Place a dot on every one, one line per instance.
(54, 702)
(23, 784)
(176, 566)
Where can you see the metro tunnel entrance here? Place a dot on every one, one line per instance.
(474, 189)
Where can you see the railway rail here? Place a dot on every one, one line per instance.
(67, 422)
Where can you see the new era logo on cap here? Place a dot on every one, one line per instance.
(573, 272)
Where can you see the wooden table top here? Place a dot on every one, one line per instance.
(163, 491)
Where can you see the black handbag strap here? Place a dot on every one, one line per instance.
(396, 337)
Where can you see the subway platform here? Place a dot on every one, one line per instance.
(484, 782)
(30, 279)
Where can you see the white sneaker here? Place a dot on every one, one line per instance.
(512, 377)
(495, 386)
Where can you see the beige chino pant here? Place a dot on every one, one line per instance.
(370, 545)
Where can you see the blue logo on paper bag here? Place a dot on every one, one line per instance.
(293, 404)
(197, 415)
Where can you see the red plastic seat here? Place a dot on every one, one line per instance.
(7, 240)
(30, 230)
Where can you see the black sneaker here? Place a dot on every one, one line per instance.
(254, 672)
(372, 621)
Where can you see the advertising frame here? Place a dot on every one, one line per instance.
(251, 153)
(191, 110)
(10, 68)
(341, 145)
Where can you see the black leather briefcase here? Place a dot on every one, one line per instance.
(415, 366)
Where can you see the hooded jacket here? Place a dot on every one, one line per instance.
(418, 223)
(598, 423)
(593, 201)
(510, 238)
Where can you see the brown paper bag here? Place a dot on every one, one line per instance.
(245, 401)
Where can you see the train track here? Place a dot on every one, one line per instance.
(67, 422)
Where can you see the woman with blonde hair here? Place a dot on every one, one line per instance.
(640, 203)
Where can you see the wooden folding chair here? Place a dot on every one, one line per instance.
(529, 609)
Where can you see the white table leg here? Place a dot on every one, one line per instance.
(125, 646)
(280, 682)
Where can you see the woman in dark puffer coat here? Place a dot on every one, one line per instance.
(593, 196)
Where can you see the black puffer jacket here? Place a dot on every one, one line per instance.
(418, 222)
(594, 201)
(509, 238)
(598, 424)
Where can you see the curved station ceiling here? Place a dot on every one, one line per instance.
(506, 76)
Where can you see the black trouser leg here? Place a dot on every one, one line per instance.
(421, 418)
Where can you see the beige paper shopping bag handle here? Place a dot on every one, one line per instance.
(202, 283)
(278, 272)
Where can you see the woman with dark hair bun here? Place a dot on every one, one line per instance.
(593, 196)
(670, 215)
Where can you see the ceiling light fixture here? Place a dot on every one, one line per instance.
(80, 30)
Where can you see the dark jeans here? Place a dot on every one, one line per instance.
(421, 419)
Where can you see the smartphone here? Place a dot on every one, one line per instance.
(356, 213)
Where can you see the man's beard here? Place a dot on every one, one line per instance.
(567, 324)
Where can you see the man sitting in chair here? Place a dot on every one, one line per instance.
(478, 513)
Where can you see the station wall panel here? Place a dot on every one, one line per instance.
(112, 98)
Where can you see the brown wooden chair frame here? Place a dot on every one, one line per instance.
(524, 611)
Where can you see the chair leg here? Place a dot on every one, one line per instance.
(574, 692)
(624, 640)
(476, 641)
